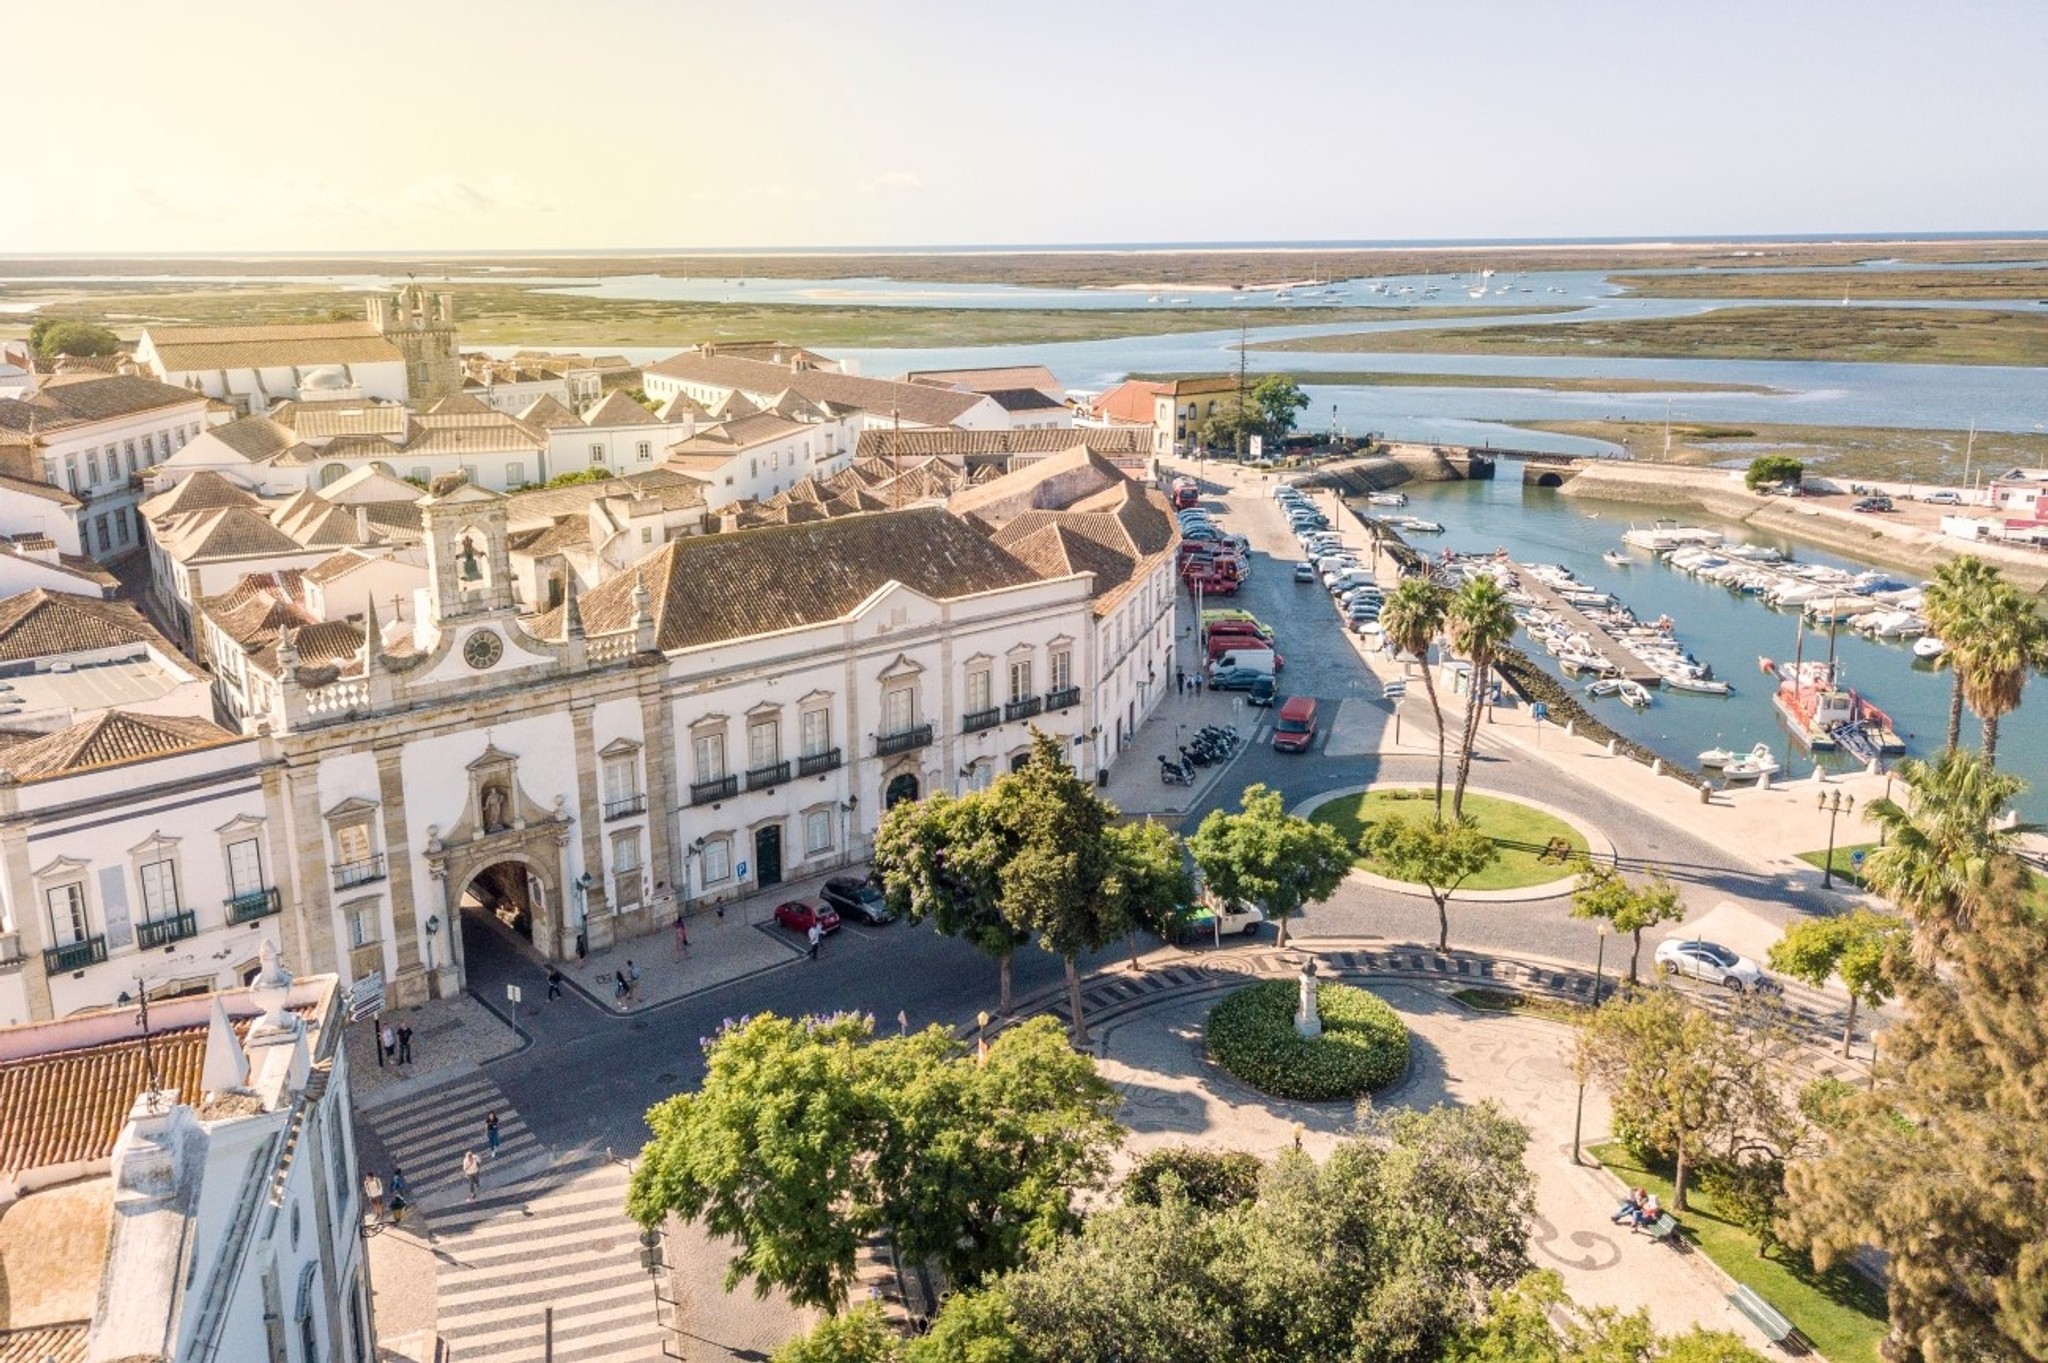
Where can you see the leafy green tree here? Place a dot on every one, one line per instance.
(1603, 892)
(1942, 1166)
(1438, 855)
(1697, 1087)
(50, 337)
(2008, 645)
(1482, 621)
(1770, 470)
(1152, 890)
(942, 858)
(1214, 1180)
(862, 1335)
(1279, 401)
(1954, 597)
(575, 476)
(1942, 850)
(1867, 949)
(1535, 1322)
(1750, 1191)
(1414, 619)
(1268, 411)
(972, 1327)
(1265, 856)
(809, 1136)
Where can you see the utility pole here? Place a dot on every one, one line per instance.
(1237, 433)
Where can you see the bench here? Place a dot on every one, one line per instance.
(1775, 1327)
(1665, 1228)
(1558, 850)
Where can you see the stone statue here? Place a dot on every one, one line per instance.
(1307, 1021)
(494, 808)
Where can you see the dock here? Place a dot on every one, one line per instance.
(1626, 663)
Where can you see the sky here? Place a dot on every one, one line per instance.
(533, 125)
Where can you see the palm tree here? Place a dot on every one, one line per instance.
(1412, 619)
(2007, 644)
(1954, 596)
(1481, 622)
(1940, 852)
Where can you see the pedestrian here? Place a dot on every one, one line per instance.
(619, 987)
(721, 910)
(377, 1045)
(491, 1131)
(682, 936)
(632, 978)
(404, 1045)
(373, 1191)
(1180, 679)
(398, 1201)
(390, 1040)
(817, 935)
(554, 983)
(473, 1170)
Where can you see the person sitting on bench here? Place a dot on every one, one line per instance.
(1648, 1212)
(1631, 1207)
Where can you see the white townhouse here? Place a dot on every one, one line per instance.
(710, 377)
(616, 436)
(761, 455)
(65, 659)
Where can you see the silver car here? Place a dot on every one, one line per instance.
(1709, 961)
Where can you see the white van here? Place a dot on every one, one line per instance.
(1259, 660)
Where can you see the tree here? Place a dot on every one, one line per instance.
(1267, 411)
(808, 1136)
(1482, 620)
(1439, 855)
(1152, 890)
(1213, 1180)
(1941, 851)
(1863, 947)
(1770, 470)
(2008, 644)
(972, 1327)
(1265, 856)
(50, 337)
(1413, 620)
(862, 1335)
(1942, 1166)
(1278, 399)
(1535, 1322)
(942, 858)
(1953, 598)
(1603, 892)
(1696, 1087)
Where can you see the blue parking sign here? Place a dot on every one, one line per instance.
(1539, 712)
(1856, 858)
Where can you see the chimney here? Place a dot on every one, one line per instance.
(363, 522)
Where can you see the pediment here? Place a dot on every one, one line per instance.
(62, 867)
(813, 698)
(619, 747)
(765, 709)
(492, 756)
(904, 666)
(978, 659)
(241, 823)
(1020, 650)
(352, 807)
(156, 844)
(710, 722)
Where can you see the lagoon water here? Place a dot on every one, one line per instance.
(1719, 627)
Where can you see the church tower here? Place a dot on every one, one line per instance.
(422, 326)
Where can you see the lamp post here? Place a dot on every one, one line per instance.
(583, 884)
(1883, 828)
(981, 1037)
(1836, 804)
(1599, 969)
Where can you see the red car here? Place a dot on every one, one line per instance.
(798, 916)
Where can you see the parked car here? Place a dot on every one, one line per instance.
(1709, 961)
(798, 916)
(1262, 692)
(1236, 678)
(1943, 498)
(857, 899)
(1873, 504)
(1304, 572)
(1210, 924)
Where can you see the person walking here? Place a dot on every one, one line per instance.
(398, 1200)
(682, 936)
(817, 935)
(373, 1192)
(554, 983)
(619, 987)
(1180, 679)
(632, 979)
(390, 1040)
(491, 1131)
(473, 1170)
(404, 1045)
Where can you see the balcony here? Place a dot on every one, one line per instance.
(760, 778)
(352, 873)
(974, 721)
(818, 763)
(162, 932)
(1023, 709)
(251, 905)
(1062, 698)
(625, 808)
(75, 956)
(918, 736)
(719, 788)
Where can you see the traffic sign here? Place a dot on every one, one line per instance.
(1539, 712)
(513, 994)
(1856, 859)
(366, 996)
(741, 874)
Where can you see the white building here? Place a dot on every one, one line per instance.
(616, 436)
(185, 1192)
(710, 377)
(65, 659)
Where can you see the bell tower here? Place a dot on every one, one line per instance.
(469, 570)
(422, 326)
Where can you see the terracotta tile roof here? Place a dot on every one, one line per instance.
(225, 532)
(1025, 400)
(992, 380)
(620, 410)
(981, 446)
(111, 739)
(680, 406)
(458, 404)
(38, 489)
(40, 623)
(545, 413)
(463, 433)
(202, 491)
(297, 345)
(1130, 400)
(45, 1344)
(778, 353)
(543, 506)
(254, 437)
(914, 402)
(77, 399)
(784, 577)
(326, 420)
(728, 438)
(340, 566)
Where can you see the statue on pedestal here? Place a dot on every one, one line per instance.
(1307, 1021)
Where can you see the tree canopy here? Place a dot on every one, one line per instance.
(1867, 949)
(1263, 855)
(1943, 849)
(942, 858)
(1770, 470)
(1437, 854)
(1269, 411)
(1604, 893)
(50, 337)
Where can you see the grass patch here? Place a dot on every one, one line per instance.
(2036, 901)
(1839, 452)
(1364, 1045)
(1521, 832)
(1517, 1004)
(1388, 378)
(1860, 285)
(1859, 335)
(1842, 1312)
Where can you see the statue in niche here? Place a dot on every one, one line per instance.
(494, 808)
(472, 571)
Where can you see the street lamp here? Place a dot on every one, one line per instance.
(981, 1037)
(1883, 828)
(1835, 804)
(1599, 971)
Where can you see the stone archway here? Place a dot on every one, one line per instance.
(902, 786)
(1549, 480)
(513, 886)
(507, 891)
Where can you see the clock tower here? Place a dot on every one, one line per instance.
(469, 572)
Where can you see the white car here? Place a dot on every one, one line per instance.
(1709, 961)
(1943, 498)
(1235, 920)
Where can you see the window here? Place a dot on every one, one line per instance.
(717, 861)
(980, 689)
(597, 454)
(245, 867)
(92, 465)
(159, 890)
(764, 744)
(1062, 668)
(816, 732)
(817, 832)
(110, 453)
(647, 534)
(422, 476)
(121, 529)
(1020, 680)
(469, 472)
(352, 843)
(515, 474)
(710, 752)
(644, 451)
(68, 922)
(621, 779)
(899, 709)
(148, 452)
(71, 471)
(363, 921)
(134, 468)
(626, 854)
(99, 525)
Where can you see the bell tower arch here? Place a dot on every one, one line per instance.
(422, 326)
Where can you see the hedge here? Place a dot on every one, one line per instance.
(1364, 1046)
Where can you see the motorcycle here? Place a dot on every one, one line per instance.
(1175, 773)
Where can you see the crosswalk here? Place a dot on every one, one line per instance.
(427, 1132)
(561, 1240)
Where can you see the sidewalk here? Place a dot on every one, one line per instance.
(445, 1033)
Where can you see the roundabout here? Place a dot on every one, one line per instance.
(1361, 1046)
(1537, 843)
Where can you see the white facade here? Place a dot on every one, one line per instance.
(100, 462)
(785, 453)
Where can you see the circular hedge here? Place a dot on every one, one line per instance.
(1364, 1045)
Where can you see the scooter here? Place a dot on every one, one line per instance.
(1175, 773)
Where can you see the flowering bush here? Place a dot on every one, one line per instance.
(1363, 1047)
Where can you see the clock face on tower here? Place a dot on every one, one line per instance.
(483, 648)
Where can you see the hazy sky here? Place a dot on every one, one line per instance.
(536, 124)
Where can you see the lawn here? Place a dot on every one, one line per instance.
(1518, 1004)
(1846, 873)
(1842, 1312)
(1522, 833)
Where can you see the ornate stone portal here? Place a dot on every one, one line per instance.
(501, 831)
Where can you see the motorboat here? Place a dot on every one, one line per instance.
(1703, 686)
(1758, 763)
(1665, 535)
(1614, 558)
(1713, 759)
(1928, 647)
(1387, 498)
(1634, 695)
(1606, 686)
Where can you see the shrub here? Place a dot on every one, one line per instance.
(1363, 1047)
(1772, 469)
(1212, 1179)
